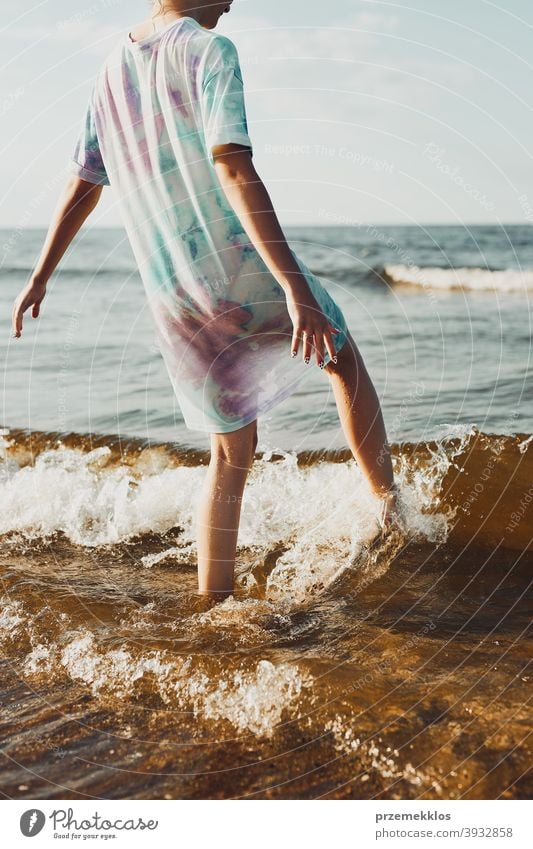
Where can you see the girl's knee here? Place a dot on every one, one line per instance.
(236, 449)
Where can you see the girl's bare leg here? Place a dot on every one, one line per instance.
(362, 422)
(219, 511)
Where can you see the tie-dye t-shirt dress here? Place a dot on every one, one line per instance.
(157, 108)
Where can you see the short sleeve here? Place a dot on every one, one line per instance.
(223, 103)
(87, 160)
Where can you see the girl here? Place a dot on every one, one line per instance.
(233, 306)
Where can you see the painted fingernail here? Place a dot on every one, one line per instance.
(321, 364)
(334, 360)
(293, 354)
(307, 361)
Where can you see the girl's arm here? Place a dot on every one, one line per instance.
(249, 198)
(78, 200)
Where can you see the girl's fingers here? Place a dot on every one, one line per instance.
(308, 348)
(14, 318)
(18, 320)
(19, 312)
(320, 340)
(330, 345)
(319, 348)
(295, 344)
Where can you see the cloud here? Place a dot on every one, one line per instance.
(79, 30)
(294, 70)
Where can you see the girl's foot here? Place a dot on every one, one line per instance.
(386, 518)
(389, 509)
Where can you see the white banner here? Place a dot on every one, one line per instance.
(251, 825)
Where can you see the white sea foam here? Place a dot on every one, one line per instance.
(67, 490)
(252, 699)
(319, 515)
(170, 554)
(256, 700)
(12, 618)
(476, 279)
(244, 621)
(522, 447)
(324, 513)
(39, 660)
(374, 756)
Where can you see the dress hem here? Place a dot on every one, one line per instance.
(257, 416)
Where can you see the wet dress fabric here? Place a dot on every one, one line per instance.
(156, 110)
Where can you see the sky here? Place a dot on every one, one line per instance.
(359, 111)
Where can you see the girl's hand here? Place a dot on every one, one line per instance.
(311, 326)
(31, 296)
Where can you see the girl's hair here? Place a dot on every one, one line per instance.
(161, 6)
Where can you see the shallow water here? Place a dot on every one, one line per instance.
(335, 671)
(442, 316)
